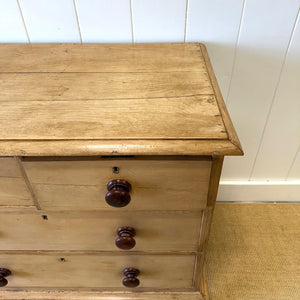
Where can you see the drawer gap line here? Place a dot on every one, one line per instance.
(28, 184)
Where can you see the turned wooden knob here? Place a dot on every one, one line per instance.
(125, 241)
(4, 273)
(131, 280)
(118, 193)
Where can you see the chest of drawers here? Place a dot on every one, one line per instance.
(110, 159)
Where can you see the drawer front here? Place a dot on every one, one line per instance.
(9, 167)
(97, 271)
(157, 184)
(97, 231)
(13, 190)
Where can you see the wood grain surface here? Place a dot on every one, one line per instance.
(100, 295)
(166, 57)
(79, 271)
(9, 167)
(195, 117)
(13, 188)
(232, 136)
(97, 86)
(154, 94)
(117, 147)
(13, 191)
(157, 183)
(177, 231)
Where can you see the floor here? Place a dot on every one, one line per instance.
(254, 252)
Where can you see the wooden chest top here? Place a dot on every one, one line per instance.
(110, 99)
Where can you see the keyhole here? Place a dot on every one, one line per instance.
(116, 170)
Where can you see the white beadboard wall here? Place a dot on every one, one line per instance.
(254, 46)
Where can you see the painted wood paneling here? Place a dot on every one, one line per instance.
(264, 37)
(294, 173)
(50, 21)
(104, 21)
(282, 134)
(216, 23)
(12, 29)
(158, 21)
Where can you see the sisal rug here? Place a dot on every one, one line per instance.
(254, 252)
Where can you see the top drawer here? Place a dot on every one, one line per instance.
(156, 183)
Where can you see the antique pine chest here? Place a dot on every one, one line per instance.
(110, 159)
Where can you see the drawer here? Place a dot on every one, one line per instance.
(9, 167)
(13, 189)
(156, 183)
(97, 271)
(97, 231)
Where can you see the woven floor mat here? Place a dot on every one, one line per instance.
(254, 252)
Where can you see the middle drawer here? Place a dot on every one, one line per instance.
(172, 231)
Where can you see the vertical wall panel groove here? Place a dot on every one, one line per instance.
(235, 49)
(216, 23)
(186, 17)
(77, 20)
(50, 21)
(294, 171)
(281, 135)
(23, 20)
(131, 21)
(264, 37)
(104, 21)
(12, 28)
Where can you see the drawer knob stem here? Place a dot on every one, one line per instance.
(118, 193)
(131, 281)
(125, 241)
(4, 273)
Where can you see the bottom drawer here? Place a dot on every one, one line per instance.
(96, 271)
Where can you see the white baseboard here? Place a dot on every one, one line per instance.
(259, 191)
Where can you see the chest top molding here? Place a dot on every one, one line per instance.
(111, 99)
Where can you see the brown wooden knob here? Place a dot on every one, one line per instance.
(131, 280)
(125, 241)
(4, 273)
(118, 193)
